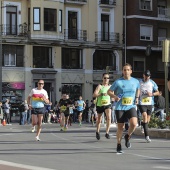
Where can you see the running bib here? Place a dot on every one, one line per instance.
(127, 101)
(146, 101)
(63, 108)
(104, 102)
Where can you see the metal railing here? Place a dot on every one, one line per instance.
(107, 36)
(76, 1)
(163, 12)
(75, 34)
(20, 30)
(107, 2)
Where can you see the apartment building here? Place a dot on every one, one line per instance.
(68, 43)
(147, 23)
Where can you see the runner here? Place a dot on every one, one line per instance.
(148, 89)
(39, 97)
(125, 91)
(80, 107)
(103, 105)
(64, 104)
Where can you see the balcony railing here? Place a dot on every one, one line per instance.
(74, 34)
(163, 12)
(106, 37)
(80, 2)
(109, 3)
(20, 30)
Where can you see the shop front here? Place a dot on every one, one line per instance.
(14, 92)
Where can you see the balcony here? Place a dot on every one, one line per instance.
(163, 12)
(78, 2)
(13, 30)
(107, 3)
(107, 37)
(74, 34)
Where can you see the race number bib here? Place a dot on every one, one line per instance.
(127, 101)
(104, 102)
(63, 108)
(146, 101)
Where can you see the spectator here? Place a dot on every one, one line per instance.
(7, 111)
(160, 106)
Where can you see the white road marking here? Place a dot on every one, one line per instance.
(24, 166)
(161, 167)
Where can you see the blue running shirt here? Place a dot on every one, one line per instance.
(148, 86)
(127, 90)
(80, 104)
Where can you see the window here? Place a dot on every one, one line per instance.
(104, 27)
(138, 64)
(42, 57)
(13, 56)
(103, 58)
(50, 19)
(36, 19)
(146, 32)
(72, 58)
(60, 20)
(160, 64)
(146, 4)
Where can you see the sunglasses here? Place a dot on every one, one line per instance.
(106, 77)
(41, 83)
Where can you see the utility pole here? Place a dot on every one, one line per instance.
(165, 59)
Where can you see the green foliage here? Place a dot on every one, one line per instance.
(155, 122)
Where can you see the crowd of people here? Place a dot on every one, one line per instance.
(128, 102)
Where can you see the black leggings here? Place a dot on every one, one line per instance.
(7, 117)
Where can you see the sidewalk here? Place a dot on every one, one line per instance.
(156, 133)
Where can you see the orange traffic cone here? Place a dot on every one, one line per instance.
(4, 122)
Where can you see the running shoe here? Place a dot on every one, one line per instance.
(62, 129)
(119, 149)
(65, 128)
(142, 130)
(79, 124)
(97, 135)
(147, 139)
(37, 138)
(107, 136)
(33, 129)
(127, 143)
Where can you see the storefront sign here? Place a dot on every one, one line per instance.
(13, 86)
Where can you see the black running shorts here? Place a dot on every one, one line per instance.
(123, 115)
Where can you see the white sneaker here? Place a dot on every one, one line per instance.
(147, 139)
(37, 138)
(142, 130)
(33, 129)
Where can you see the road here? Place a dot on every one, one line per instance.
(77, 149)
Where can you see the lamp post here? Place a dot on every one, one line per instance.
(165, 59)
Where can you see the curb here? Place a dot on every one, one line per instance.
(157, 133)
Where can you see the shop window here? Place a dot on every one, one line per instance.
(42, 57)
(72, 58)
(73, 90)
(103, 58)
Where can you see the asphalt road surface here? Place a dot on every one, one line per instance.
(77, 149)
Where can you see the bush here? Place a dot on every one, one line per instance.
(155, 122)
